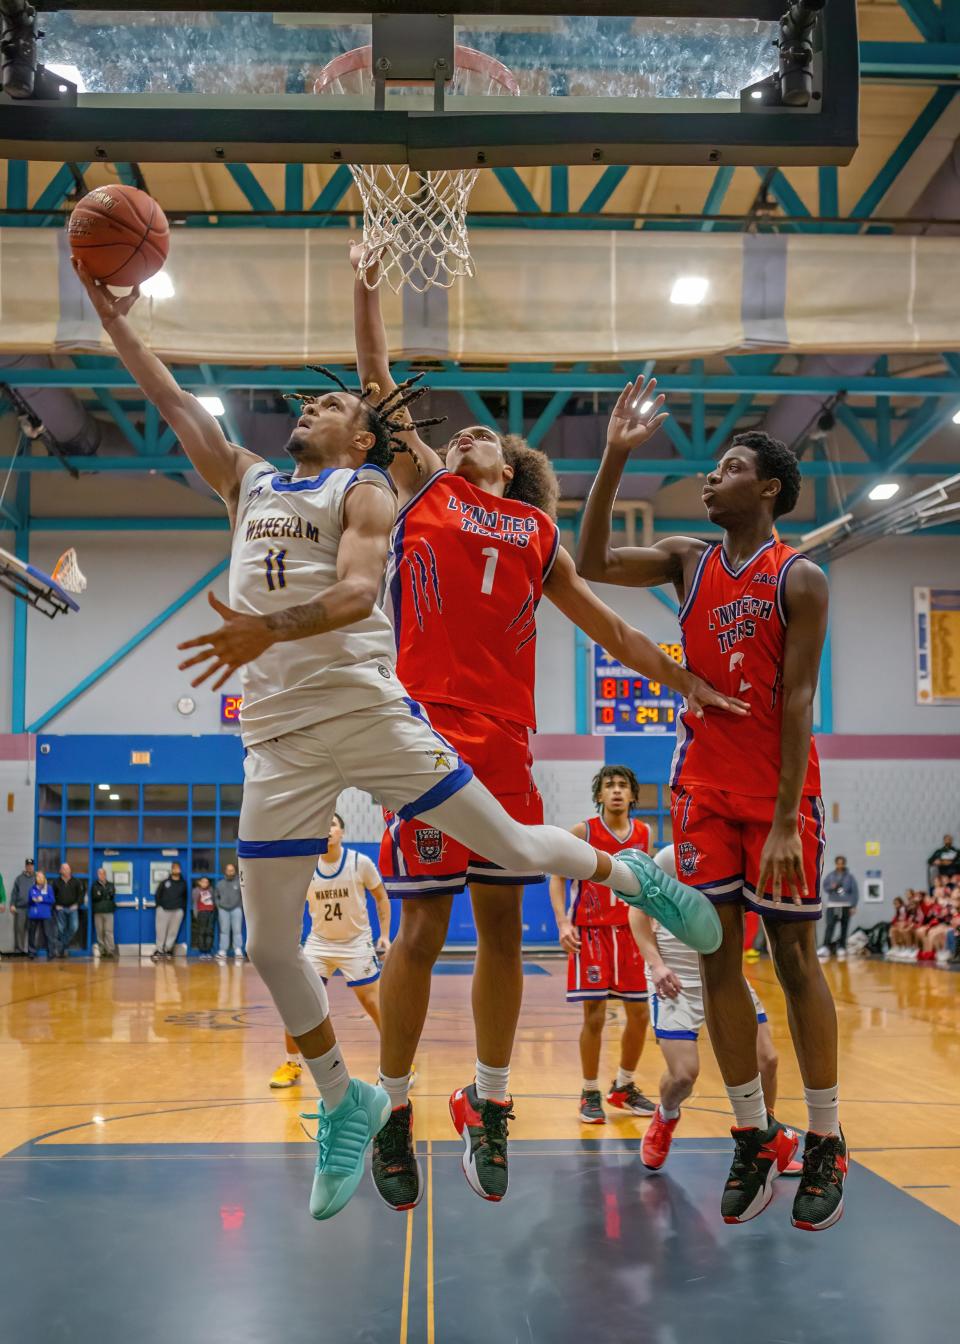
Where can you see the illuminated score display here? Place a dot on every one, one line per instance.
(626, 703)
(230, 706)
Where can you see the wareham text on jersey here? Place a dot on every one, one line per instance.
(280, 525)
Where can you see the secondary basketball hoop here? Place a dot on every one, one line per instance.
(415, 223)
(49, 593)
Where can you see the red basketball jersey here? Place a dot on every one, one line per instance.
(465, 575)
(734, 627)
(593, 905)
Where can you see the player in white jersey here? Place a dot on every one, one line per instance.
(326, 709)
(673, 971)
(340, 941)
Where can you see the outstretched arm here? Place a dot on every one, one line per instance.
(576, 599)
(368, 519)
(665, 983)
(221, 464)
(630, 566)
(373, 366)
(806, 598)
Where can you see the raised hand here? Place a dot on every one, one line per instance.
(637, 415)
(239, 640)
(108, 306)
(357, 253)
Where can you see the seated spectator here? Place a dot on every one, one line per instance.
(204, 917)
(41, 916)
(943, 918)
(903, 945)
(945, 861)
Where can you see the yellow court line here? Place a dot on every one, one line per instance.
(405, 1299)
(431, 1323)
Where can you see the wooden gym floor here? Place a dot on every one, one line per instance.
(151, 1183)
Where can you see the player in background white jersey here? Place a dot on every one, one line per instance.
(341, 940)
(673, 972)
(326, 709)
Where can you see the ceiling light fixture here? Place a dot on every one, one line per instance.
(689, 290)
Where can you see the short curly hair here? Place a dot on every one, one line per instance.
(775, 461)
(607, 772)
(534, 479)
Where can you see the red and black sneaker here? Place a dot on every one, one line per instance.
(396, 1171)
(759, 1158)
(787, 1160)
(657, 1140)
(630, 1098)
(591, 1108)
(482, 1124)
(819, 1200)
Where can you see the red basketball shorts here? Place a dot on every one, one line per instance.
(418, 860)
(718, 838)
(608, 965)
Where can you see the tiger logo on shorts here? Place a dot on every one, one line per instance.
(689, 857)
(429, 842)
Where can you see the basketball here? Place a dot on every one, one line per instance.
(120, 234)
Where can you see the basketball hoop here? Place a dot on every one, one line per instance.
(67, 573)
(415, 223)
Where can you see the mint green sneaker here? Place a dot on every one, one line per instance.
(343, 1137)
(682, 910)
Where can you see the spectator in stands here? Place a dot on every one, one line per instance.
(171, 898)
(20, 906)
(945, 861)
(42, 917)
(204, 915)
(230, 908)
(903, 944)
(68, 894)
(103, 904)
(942, 919)
(842, 894)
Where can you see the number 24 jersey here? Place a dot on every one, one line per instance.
(465, 575)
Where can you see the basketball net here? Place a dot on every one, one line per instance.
(68, 574)
(415, 223)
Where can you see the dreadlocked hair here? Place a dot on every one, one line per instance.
(386, 418)
(607, 772)
(534, 479)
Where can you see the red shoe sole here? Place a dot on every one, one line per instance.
(821, 1227)
(589, 1120)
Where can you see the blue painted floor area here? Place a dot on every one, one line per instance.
(466, 968)
(212, 1244)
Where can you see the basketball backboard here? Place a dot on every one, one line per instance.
(34, 586)
(650, 81)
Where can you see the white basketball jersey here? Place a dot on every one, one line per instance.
(285, 553)
(337, 897)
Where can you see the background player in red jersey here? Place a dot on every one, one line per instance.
(604, 959)
(474, 549)
(747, 816)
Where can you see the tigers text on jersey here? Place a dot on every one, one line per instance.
(284, 553)
(734, 625)
(337, 897)
(593, 904)
(465, 575)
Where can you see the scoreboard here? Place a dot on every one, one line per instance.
(624, 702)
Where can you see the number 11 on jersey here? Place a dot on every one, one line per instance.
(275, 566)
(490, 568)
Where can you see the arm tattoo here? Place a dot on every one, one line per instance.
(310, 618)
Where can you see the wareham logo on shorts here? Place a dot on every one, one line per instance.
(689, 857)
(593, 975)
(429, 842)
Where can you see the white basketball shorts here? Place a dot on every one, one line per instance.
(680, 1019)
(292, 783)
(354, 959)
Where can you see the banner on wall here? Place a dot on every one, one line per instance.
(936, 625)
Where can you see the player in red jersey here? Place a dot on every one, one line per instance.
(605, 962)
(747, 814)
(475, 548)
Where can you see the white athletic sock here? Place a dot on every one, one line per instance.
(293, 1059)
(591, 1084)
(748, 1105)
(667, 1114)
(624, 1077)
(623, 879)
(492, 1084)
(396, 1089)
(331, 1077)
(823, 1105)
